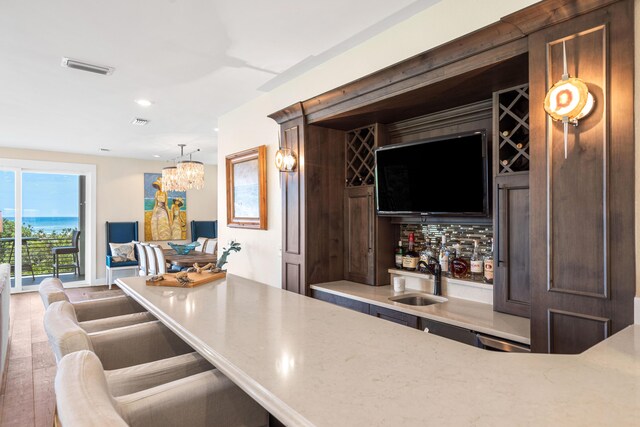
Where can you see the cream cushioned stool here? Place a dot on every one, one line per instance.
(204, 399)
(98, 314)
(136, 356)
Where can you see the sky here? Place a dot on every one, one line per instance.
(44, 195)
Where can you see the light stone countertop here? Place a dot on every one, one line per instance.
(312, 363)
(458, 312)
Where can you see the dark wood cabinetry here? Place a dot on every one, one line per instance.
(352, 304)
(511, 201)
(511, 291)
(394, 316)
(565, 250)
(368, 239)
(582, 206)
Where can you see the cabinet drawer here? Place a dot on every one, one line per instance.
(444, 330)
(394, 316)
(341, 301)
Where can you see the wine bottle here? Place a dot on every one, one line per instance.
(476, 263)
(399, 254)
(519, 164)
(410, 259)
(488, 265)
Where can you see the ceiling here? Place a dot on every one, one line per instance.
(195, 60)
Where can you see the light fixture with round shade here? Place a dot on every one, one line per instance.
(185, 175)
(568, 100)
(285, 160)
(170, 181)
(191, 174)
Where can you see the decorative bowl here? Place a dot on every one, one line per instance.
(183, 249)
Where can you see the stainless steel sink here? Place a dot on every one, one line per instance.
(417, 299)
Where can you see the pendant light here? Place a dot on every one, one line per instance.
(185, 175)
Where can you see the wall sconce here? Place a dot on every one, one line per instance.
(568, 100)
(285, 160)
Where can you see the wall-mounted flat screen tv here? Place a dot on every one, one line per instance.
(445, 176)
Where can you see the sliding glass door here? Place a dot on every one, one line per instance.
(45, 232)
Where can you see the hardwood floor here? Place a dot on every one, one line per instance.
(27, 397)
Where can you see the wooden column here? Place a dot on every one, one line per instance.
(582, 207)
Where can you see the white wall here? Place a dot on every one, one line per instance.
(248, 126)
(120, 191)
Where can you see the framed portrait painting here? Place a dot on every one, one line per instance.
(247, 189)
(165, 213)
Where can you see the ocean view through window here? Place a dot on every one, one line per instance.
(51, 209)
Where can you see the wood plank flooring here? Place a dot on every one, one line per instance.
(27, 397)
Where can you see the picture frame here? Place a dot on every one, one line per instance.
(246, 173)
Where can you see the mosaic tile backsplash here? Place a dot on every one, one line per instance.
(456, 233)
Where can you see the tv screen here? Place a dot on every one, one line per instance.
(443, 176)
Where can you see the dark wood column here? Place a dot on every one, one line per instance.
(582, 211)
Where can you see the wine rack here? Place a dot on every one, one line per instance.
(360, 159)
(511, 129)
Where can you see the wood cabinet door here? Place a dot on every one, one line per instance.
(582, 206)
(511, 291)
(359, 234)
(394, 316)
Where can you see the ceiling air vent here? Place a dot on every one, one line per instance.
(84, 66)
(139, 122)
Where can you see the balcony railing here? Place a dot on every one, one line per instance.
(37, 259)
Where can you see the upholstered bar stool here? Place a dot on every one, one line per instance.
(136, 356)
(98, 314)
(205, 399)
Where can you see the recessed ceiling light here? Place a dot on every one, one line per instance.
(105, 149)
(216, 129)
(139, 122)
(156, 155)
(144, 102)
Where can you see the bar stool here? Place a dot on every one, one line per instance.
(64, 250)
(209, 398)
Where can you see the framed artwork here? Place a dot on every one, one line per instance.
(165, 213)
(247, 188)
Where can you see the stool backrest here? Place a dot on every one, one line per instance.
(152, 266)
(160, 259)
(75, 239)
(51, 290)
(65, 335)
(82, 393)
(143, 265)
(207, 229)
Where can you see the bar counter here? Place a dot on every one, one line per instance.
(312, 363)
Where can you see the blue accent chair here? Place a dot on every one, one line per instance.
(208, 229)
(120, 232)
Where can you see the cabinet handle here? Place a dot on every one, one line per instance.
(497, 237)
(371, 225)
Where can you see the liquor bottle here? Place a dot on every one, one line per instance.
(410, 259)
(426, 251)
(476, 263)
(443, 256)
(399, 254)
(459, 266)
(488, 265)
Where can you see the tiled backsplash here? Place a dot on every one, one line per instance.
(456, 233)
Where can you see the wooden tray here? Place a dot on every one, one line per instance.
(198, 279)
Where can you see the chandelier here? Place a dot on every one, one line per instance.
(185, 175)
